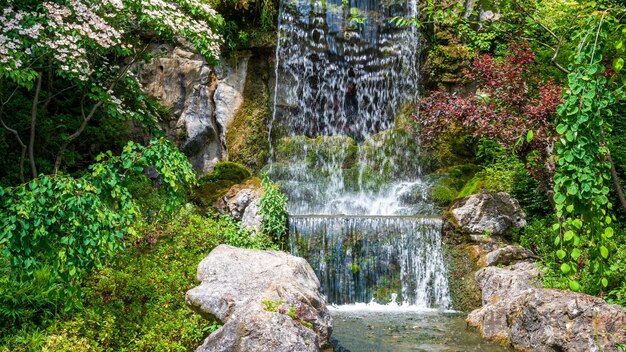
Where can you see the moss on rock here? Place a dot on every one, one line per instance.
(463, 260)
(218, 182)
(247, 139)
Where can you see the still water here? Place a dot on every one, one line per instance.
(401, 330)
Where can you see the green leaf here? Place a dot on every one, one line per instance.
(608, 232)
(572, 189)
(618, 64)
(604, 252)
(529, 136)
(559, 198)
(561, 128)
(605, 282)
(575, 254)
(574, 285)
(565, 268)
(561, 254)
(568, 235)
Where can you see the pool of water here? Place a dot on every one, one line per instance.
(399, 331)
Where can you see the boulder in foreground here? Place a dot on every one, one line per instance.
(266, 300)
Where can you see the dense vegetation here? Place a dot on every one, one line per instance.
(535, 89)
(96, 255)
(103, 221)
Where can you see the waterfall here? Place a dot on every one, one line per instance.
(353, 175)
(342, 67)
(394, 260)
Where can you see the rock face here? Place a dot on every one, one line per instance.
(508, 255)
(516, 310)
(241, 202)
(488, 213)
(202, 101)
(267, 301)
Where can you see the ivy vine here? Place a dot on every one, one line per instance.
(582, 178)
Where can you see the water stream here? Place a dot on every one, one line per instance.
(359, 207)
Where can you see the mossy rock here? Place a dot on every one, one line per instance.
(218, 182)
(462, 266)
(247, 138)
(317, 152)
(443, 195)
(227, 170)
(462, 262)
(449, 182)
(473, 186)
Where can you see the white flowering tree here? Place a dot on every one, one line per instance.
(87, 48)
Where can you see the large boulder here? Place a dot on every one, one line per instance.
(488, 213)
(202, 100)
(530, 318)
(267, 301)
(241, 203)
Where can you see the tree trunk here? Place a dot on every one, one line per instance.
(86, 119)
(616, 183)
(33, 124)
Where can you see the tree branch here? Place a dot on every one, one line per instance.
(33, 123)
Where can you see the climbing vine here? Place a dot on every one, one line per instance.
(582, 178)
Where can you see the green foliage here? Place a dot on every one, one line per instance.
(273, 209)
(583, 174)
(23, 298)
(72, 224)
(137, 301)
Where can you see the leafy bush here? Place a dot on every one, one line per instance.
(273, 209)
(72, 224)
(137, 301)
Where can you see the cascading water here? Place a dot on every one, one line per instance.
(394, 260)
(359, 208)
(344, 73)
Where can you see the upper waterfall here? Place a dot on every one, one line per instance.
(343, 68)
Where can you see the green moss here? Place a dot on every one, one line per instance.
(462, 265)
(217, 183)
(247, 138)
(473, 186)
(443, 195)
(449, 182)
(447, 59)
(226, 170)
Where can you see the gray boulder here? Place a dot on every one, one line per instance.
(488, 213)
(184, 82)
(266, 300)
(508, 255)
(241, 203)
(531, 318)
(202, 99)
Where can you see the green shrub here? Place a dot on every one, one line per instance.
(73, 225)
(24, 298)
(137, 301)
(273, 209)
